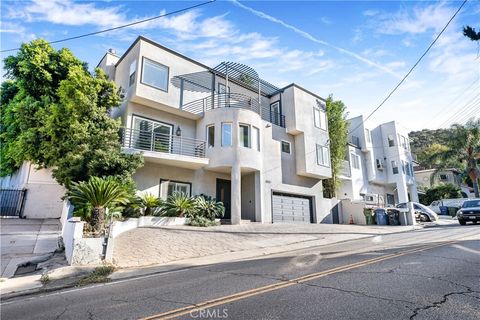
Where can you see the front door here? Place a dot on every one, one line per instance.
(224, 196)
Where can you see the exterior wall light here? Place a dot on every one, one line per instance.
(178, 132)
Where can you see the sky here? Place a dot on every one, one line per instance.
(355, 50)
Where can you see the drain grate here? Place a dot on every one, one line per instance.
(25, 268)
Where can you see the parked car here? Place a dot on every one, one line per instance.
(455, 203)
(422, 212)
(470, 211)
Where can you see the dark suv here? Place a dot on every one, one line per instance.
(470, 211)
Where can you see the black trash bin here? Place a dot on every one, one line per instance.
(393, 217)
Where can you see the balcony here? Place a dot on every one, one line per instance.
(164, 148)
(234, 100)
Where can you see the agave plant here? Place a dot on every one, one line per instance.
(179, 205)
(209, 208)
(97, 194)
(150, 203)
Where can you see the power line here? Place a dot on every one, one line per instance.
(122, 26)
(471, 114)
(414, 66)
(460, 113)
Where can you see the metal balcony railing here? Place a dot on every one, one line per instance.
(161, 142)
(234, 100)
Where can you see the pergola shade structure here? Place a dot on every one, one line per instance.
(242, 75)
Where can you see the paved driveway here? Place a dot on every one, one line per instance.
(157, 245)
(24, 240)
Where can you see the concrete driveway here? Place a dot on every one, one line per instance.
(26, 240)
(158, 245)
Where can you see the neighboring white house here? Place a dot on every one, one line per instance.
(451, 175)
(379, 166)
(223, 132)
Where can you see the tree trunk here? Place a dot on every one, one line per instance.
(475, 188)
(98, 219)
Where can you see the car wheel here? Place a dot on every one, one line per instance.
(475, 222)
(462, 222)
(424, 218)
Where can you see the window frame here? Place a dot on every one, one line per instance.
(395, 167)
(357, 160)
(391, 140)
(159, 64)
(368, 135)
(231, 134)
(241, 135)
(131, 81)
(173, 181)
(257, 142)
(210, 144)
(289, 146)
(322, 148)
(279, 102)
(140, 117)
(222, 84)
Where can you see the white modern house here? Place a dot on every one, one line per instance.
(224, 132)
(379, 165)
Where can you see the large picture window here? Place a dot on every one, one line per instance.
(168, 187)
(226, 134)
(151, 135)
(155, 74)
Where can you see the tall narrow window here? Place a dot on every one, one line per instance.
(244, 135)
(368, 137)
(394, 167)
(323, 120)
(323, 155)
(275, 113)
(286, 147)
(255, 138)
(355, 160)
(211, 136)
(226, 134)
(155, 74)
(391, 140)
(316, 117)
(133, 69)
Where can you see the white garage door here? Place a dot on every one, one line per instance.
(290, 209)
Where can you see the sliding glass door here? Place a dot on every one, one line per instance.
(152, 135)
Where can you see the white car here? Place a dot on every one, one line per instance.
(456, 203)
(422, 212)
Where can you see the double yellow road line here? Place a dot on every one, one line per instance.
(287, 283)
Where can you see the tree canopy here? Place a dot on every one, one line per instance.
(439, 192)
(338, 131)
(57, 115)
(470, 33)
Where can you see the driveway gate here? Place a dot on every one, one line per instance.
(11, 202)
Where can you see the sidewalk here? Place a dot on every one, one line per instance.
(26, 240)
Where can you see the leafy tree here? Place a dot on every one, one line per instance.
(338, 131)
(470, 33)
(56, 115)
(439, 192)
(96, 195)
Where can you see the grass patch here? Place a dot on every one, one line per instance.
(98, 275)
(44, 279)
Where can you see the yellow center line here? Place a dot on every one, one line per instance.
(287, 283)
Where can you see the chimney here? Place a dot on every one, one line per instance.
(112, 51)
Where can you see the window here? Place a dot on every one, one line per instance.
(355, 160)
(368, 137)
(244, 135)
(151, 135)
(133, 69)
(286, 147)
(155, 74)
(379, 164)
(168, 187)
(391, 140)
(404, 165)
(323, 156)
(394, 167)
(255, 138)
(211, 136)
(221, 88)
(319, 118)
(276, 113)
(226, 134)
(443, 177)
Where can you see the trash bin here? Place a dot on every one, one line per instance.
(381, 217)
(443, 210)
(393, 217)
(368, 215)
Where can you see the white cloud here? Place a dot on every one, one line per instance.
(326, 20)
(370, 13)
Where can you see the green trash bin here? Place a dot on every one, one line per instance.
(452, 211)
(368, 215)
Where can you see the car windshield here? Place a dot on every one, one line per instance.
(471, 204)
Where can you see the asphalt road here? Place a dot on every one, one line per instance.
(433, 273)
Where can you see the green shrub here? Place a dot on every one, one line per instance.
(179, 205)
(150, 203)
(200, 221)
(209, 208)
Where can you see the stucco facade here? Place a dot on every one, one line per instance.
(241, 147)
(379, 164)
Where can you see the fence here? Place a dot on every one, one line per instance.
(11, 202)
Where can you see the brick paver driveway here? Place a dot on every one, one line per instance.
(156, 245)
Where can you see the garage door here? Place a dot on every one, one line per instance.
(291, 209)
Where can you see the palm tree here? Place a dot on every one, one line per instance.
(179, 205)
(150, 204)
(463, 149)
(97, 194)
